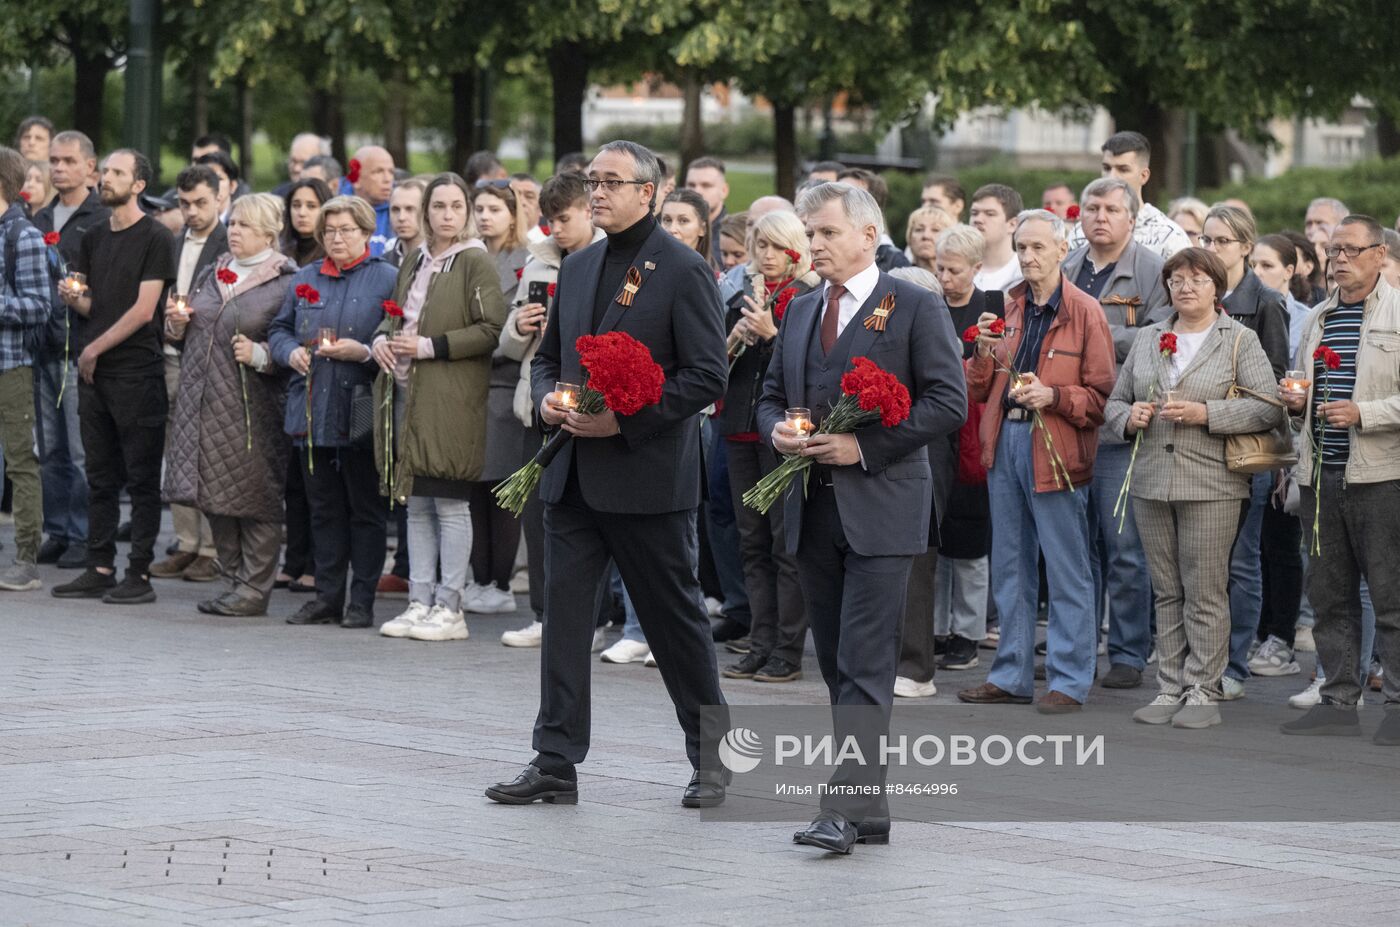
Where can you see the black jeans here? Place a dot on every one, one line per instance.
(779, 624)
(1281, 559)
(347, 517)
(495, 538)
(123, 428)
(299, 560)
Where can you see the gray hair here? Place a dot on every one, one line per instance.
(964, 241)
(1103, 186)
(73, 136)
(323, 145)
(648, 168)
(1332, 203)
(919, 277)
(1057, 225)
(860, 207)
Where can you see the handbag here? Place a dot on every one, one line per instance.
(1262, 451)
(362, 416)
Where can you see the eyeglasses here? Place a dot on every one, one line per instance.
(498, 184)
(1176, 284)
(1351, 251)
(1208, 242)
(612, 186)
(332, 234)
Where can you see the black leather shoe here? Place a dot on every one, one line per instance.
(706, 789)
(532, 786)
(727, 629)
(873, 832)
(74, 558)
(829, 831)
(745, 668)
(50, 551)
(315, 612)
(1121, 676)
(233, 605)
(357, 617)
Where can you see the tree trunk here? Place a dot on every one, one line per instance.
(396, 116)
(328, 120)
(568, 76)
(199, 94)
(245, 127)
(89, 88)
(692, 128)
(463, 116)
(785, 149)
(1387, 135)
(1133, 111)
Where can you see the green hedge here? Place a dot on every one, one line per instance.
(1370, 187)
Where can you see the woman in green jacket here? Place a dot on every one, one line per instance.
(436, 362)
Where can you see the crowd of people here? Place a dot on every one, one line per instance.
(305, 373)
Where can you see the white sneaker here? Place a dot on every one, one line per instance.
(440, 625)
(1103, 647)
(1230, 689)
(406, 621)
(625, 651)
(1310, 696)
(1152, 657)
(470, 593)
(598, 640)
(520, 582)
(492, 601)
(1273, 658)
(904, 687)
(1160, 710)
(1303, 640)
(530, 636)
(650, 660)
(714, 606)
(1197, 711)
(1254, 646)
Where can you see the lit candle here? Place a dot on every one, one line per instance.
(1296, 381)
(800, 421)
(182, 306)
(327, 337)
(77, 282)
(567, 393)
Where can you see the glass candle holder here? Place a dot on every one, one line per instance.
(326, 337)
(1296, 381)
(77, 281)
(800, 421)
(182, 304)
(568, 393)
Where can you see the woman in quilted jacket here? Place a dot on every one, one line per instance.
(227, 455)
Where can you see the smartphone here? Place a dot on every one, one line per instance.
(538, 292)
(996, 303)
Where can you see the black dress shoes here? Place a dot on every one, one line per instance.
(51, 551)
(706, 789)
(832, 832)
(532, 786)
(316, 612)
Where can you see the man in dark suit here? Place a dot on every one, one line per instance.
(203, 240)
(868, 506)
(626, 488)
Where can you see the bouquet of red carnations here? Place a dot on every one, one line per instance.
(622, 376)
(869, 394)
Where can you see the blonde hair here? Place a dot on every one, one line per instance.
(786, 231)
(964, 241)
(357, 208)
(1191, 206)
(939, 217)
(519, 235)
(1238, 221)
(260, 211)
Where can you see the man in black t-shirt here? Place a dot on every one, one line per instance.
(128, 260)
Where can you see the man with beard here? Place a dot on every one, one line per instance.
(128, 261)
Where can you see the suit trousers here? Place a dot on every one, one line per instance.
(855, 604)
(1359, 533)
(779, 625)
(1188, 546)
(655, 555)
(248, 552)
(917, 660)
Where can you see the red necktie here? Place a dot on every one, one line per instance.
(832, 316)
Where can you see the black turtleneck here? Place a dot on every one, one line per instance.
(623, 248)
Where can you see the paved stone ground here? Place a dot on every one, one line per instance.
(158, 766)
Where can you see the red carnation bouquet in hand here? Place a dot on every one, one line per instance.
(869, 394)
(1328, 360)
(622, 376)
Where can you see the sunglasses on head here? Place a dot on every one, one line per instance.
(502, 184)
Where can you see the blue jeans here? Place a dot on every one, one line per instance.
(61, 454)
(1119, 563)
(1026, 523)
(724, 529)
(1247, 579)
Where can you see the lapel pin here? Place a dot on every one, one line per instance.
(877, 321)
(630, 288)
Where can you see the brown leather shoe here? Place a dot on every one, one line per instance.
(988, 694)
(174, 565)
(202, 570)
(1056, 703)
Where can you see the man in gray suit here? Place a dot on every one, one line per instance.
(1125, 277)
(866, 512)
(626, 488)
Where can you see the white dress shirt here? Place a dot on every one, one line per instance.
(858, 290)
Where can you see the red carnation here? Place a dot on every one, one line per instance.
(877, 389)
(780, 303)
(1072, 213)
(392, 309)
(312, 295)
(50, 238)
(226, 276)
(544, 227)
(792, 255)
(24, 195)
(1167, 343)
(519, 272)
(970, 334)
(1330, 358)
(352, 173)
(621, 369)
(998, 327)
(551, 290)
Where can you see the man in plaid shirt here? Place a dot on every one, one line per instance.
(25, 298)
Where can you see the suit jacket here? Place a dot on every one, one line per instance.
(1138, 273)
(654, 465)
(1187, 462)
(215, 245)
(886, 505)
